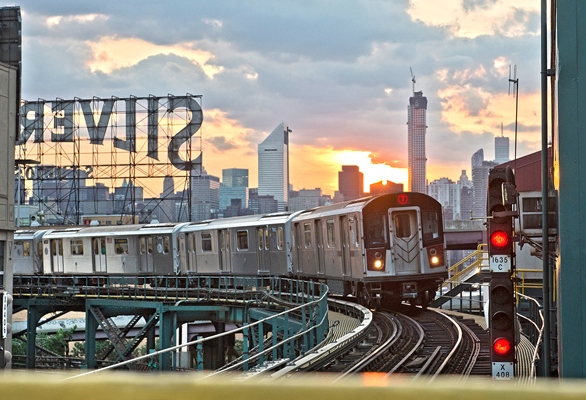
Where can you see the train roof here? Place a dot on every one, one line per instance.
(334, 209)
(403, 199)
(23, 234)
(112, 230)
(247, 220)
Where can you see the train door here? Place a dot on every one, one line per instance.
(298, 256)
(405, 240)
(319, 243)
(99, 245)
(224, 246)
(57, 255)
(264, 251)
(146, 263)
(345, 245)
(191, 252)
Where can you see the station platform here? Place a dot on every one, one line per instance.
(340, 325)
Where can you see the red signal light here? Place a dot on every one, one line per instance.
(501, 346)
(499, 239)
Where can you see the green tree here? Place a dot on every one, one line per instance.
(57, 342)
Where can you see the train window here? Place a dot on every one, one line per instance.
(267, 239)
(280, 238)
(121, 246)
(22, 248)
(150, 245)
(430, 222)
(76, 247)
(242, 240)
(376, 230)
(402, 223)
(57, 247)
(39, 248)
(330, 232)
(18, 247)
(166, 244)
(354, 234)
(142, 245)
(260, 238)
(206, 242)
(307, 235)
(191, 243)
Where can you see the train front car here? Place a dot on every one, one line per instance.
(28, 252)
(404, 249)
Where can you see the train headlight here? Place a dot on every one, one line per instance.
(377, 263)
(435, 257)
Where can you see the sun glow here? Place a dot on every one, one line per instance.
(373, 172)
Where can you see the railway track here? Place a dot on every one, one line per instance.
(411, 341)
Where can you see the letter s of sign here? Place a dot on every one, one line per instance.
(184, 134)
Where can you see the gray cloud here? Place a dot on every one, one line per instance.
(322, 66)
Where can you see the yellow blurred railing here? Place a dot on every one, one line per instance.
(456, 276)
(188, 386)
(528, 281)
(527, 278)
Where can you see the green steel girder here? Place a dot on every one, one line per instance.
(36, 308)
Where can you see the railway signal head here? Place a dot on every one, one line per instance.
(499, 207)
(502, 325)
(499, 239)
(502, 346)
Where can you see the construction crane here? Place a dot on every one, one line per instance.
(412, 79)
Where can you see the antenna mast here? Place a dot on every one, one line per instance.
(515, 82)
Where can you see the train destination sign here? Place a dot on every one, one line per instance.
(123, 120)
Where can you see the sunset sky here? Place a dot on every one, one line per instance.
(337, 72)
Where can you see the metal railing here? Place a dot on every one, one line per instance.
(296, 311)
(460, 271)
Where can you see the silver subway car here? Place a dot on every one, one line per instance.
(249, 245)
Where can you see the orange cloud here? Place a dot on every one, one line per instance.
(112, 53)
(499, 16)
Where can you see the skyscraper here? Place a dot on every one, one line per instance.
(235, 177)
(234, 187)
(167, 203)
(417, 128)
(205, 196)
(501, 149)
(447, 192)
(351, 182)
(480, 170)
(273, 166)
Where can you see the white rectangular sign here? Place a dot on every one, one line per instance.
(503, 370)
(500, 263)
(4, 317)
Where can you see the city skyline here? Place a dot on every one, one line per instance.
(344, 95)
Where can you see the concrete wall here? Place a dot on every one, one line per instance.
(8, 131)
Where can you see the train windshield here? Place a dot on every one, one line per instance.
(376, 230)
(430, 224)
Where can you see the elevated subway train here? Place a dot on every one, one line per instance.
(385, 248)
